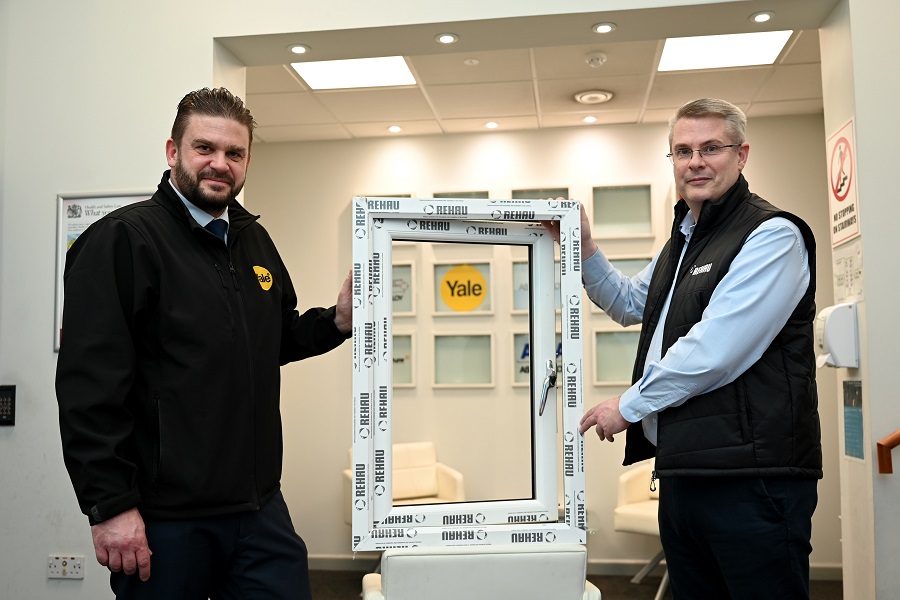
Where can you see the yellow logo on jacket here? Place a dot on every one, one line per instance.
(264, 277)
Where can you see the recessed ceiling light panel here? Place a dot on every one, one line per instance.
(593, 97)
(603, 27)
(722, 51)
(446, 38)
(762, 17)
(299, 48)
(383, 71)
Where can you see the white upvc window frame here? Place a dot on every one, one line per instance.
(377, 524)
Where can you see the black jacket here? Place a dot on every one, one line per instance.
(168, 379)
(766, 422)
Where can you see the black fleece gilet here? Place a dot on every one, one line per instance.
(766, 422)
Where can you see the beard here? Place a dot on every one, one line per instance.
(189, 185)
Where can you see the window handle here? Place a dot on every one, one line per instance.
(549, 382)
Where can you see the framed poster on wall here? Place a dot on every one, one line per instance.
(74, 214)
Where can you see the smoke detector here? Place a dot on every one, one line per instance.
(593, 97)
(595, 59)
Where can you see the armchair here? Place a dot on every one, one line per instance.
(418, 478)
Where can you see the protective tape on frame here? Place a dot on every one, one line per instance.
(412, 536)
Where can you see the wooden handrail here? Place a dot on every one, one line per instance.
(884, 446)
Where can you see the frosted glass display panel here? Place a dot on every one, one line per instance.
(462, 360)
(614, 354)
(468, 195)
(522, 285)
(541, 193)
(630, 266)
(402, 289)
(462, 288)
(621, 210)
(402, 359)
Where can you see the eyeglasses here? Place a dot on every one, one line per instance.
(686, 154)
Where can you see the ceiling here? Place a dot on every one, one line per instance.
(523, 72)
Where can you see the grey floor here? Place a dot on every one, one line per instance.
(346, 585)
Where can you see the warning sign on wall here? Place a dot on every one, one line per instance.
(842, 200)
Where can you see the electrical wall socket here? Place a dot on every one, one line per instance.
(65, 566)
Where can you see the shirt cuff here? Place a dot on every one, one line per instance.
(629, 405)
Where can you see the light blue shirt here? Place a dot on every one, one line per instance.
(748, 308)
(201, 216)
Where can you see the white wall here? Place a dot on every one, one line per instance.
(88, 94)
(4, 58)
(857, 35)
(303, 192)
(876, 136)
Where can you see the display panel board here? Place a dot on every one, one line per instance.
(378, 524)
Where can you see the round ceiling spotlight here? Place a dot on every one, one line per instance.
(395, 129)
(603, 27)
(593, 97)
(299, 48)
(762, 17)
(446, 38)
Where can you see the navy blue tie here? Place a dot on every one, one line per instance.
(218, 227)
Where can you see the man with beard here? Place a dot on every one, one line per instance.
(178, 315)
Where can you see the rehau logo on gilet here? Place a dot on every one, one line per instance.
(695, 270)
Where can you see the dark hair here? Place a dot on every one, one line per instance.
(217, 102)
(735, 120)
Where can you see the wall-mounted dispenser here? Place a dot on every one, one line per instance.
(837, 336)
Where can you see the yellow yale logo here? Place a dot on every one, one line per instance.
(463, 288)
(265, 278)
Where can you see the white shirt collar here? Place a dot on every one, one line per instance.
(201, 216)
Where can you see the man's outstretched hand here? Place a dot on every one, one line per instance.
(606, 419)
